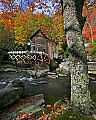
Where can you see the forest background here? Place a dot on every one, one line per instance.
(19, 19)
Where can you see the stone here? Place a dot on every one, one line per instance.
(40, 102)
(62, 75)
(53, 76)
(53, 65)
(37, 73)
(32, 72)
(10, 70)
(32, 109)
(40, 73)
(9, 95)
(51, 73)
(92, 72)
(42, 82)
(15, 83)
(35, 84)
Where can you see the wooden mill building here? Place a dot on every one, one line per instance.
(39, 42)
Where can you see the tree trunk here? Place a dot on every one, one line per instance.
(73, 24)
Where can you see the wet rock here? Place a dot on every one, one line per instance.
(40, 74)
(2, 83)
(10, 95)
(37, 73)
(2, 70)
(92, 68)
(35, 84)
(57, 74)
(10, 70)
(32, 109)
(53, 76)
(29, 109)
(39, 96)
(62, 75)
(92, 72)
(42, 82)
(15, 83)
(32, 72)
(53, 65)
(92, 78)
(51, 73)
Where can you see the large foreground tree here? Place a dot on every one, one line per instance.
(73, 24)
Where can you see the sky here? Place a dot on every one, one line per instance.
(25, 5)
(49, 4)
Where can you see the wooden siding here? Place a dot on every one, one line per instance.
(40, 42)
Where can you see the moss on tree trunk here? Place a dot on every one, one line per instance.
(73, 24)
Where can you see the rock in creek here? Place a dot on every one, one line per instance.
(42, 82)
(11, 93)
(10, 70)
(37, 73)
(15, 83)
(30, 109)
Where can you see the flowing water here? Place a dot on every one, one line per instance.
(53, 89)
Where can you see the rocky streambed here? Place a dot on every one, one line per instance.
(53, 85)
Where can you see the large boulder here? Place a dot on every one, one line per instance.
(11, 93)
(53, 65)
(37, 73)
(33, 109)
(92, 67)
(16, 83)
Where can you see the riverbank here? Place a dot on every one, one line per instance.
(53, 88)
(34, 108)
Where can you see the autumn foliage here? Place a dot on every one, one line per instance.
(22, 21)
(89, 30)
(19, 20)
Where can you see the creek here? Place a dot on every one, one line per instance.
(53, 89)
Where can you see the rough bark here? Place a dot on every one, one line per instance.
(73, 24)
